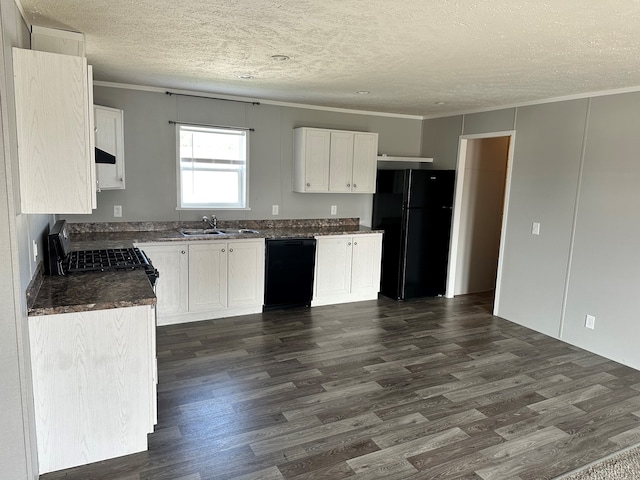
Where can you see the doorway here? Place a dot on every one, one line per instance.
(479, 215)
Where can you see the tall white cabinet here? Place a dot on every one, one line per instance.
(334, 161)
(54, 121)
(348, 268)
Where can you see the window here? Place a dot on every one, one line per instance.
(212, 166)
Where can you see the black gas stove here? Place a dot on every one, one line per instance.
(63, 262)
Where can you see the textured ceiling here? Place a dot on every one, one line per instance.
(410, 55)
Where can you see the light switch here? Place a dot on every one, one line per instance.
(535, 228)
(117, 210)
(590, 321)
(275, 209)
(334, 209)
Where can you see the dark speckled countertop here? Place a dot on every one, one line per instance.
(95, 240)
(92, 291)
(104, 290)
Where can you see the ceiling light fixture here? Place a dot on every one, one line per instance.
(363, 92)
(439, 103)
(279, 58)
(245, 76)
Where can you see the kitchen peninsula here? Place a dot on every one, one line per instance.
(93, 334)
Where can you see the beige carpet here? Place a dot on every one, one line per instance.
(620, 466)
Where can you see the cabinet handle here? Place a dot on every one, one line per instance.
(222, 250)
(355, 186)
(308, 184)
(183, 252)
(355, 243)
(349, 244)
(230, 250)
(348, 184)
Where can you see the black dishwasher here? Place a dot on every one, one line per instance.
(289, 273)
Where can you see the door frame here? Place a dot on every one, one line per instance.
(458, 210)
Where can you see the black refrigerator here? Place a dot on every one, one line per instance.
(414, 209)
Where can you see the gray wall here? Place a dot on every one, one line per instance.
(440, 141)
(575, 171)
(150, 155)
(605, 264)
(17, 440)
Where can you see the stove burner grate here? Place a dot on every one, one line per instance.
(106, 260)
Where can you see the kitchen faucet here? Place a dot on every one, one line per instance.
(213, 223)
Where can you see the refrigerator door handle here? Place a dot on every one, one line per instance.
(403, 252)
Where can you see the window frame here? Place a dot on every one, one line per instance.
(211, 206)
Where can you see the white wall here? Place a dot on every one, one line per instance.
(17, 438)
(576, 172)
(481, 219)
(150, 155)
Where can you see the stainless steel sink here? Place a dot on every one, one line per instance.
(235, 231)
(206, 232)
(194, 232)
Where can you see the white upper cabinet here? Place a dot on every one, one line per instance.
(312, 152)
(53, 131)
(334, 161)
(365, 151)
(110, 138)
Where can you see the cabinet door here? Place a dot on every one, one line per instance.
(316, 160)
(365, 151)
(341, 162)
(93, 172)
(51, 92)
(172, 286)
(91, 374)
(246, 273)
(207, 276)
(365, 265)
(109, 137)
(333, 266)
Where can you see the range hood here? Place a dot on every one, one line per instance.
(104, 157)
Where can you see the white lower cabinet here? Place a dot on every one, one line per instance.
(208, 279)
(245, 274)
(347, 268)
(208, 276)
(94, 376)
(172, 261)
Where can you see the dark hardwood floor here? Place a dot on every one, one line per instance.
(427, 389)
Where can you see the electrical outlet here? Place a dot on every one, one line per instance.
(275, 209)
(535, 228)
(334, 209)
(35, 251)
(117, 210)
(590, 321)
